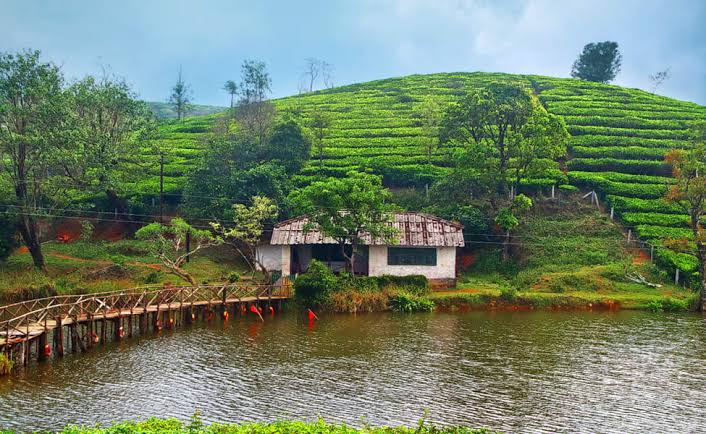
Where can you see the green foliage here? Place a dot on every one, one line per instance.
(233, 277)
(471, 217)
(406, 302)
(196, 426)
(507, 217)
(599, 62)
(168, 244)
(248, 228)
(86, 230)
(8, 238)
(416, 284)
(181, 97)
(348, 209)
(288, 146)
(668, 304)
(314, 287)
(6, 364)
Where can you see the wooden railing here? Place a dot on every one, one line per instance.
(21, 320)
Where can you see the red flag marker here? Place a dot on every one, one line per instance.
(254, 310)
(312, 315)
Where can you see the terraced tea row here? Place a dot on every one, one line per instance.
(619, 139)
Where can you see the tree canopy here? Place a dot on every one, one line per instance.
(689, 191)
(346, 209)
(248, 228)
(168, 244)
(506, 135)
(33, 118)
(599, 62)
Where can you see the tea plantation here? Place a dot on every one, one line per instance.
(619, 139)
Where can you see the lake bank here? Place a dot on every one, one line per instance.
(491, 297)
(196, 426)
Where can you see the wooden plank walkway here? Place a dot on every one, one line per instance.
(24, 322)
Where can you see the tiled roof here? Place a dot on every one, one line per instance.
(413, 229)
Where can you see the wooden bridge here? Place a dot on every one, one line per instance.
(92, 319)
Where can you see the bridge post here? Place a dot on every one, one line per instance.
(59, 337)
(73, 336)
(41, 342)
(104, 332)
(129, 324)
(89, 331)
(23, 352)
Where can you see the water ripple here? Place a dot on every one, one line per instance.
(515, 372)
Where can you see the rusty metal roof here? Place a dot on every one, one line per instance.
(413, 229)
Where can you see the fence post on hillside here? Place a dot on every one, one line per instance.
(595, 199)
(676, 277)
(652, 254)
(629, 235)
(553, 197)
(188, 245)
(612, 212)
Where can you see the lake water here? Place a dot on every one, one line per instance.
(509, 371)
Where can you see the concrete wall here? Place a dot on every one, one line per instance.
(274, 258)
(445, 267)
(278, 258)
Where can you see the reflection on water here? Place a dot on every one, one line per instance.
(516, 372)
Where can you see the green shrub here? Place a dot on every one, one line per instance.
(404, 301)
(668, 304)
(8, 240)
(315, 286)
(233, 277)
(508, 295)
(5, 364)
(416, 284)
(152, 277)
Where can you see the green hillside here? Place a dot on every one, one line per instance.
(619, 139)
(163, 110)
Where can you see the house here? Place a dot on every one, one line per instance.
(426, 245)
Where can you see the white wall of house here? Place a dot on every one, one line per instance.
(278, 257)
(445, 267)
(274, 258)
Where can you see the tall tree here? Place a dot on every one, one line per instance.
(485, 121)
(507, 219)
(247, 230)
(180, 98)
(287, 145)
(537, 144)
(660, 77)
(316, 70)
(255, 113)
(33, 117)
(319, 124)
(430, 119)
(599, 62)
(347, 210)
(232, 90)
(689, 191)
(109, 124)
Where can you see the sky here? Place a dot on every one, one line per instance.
(148, 41)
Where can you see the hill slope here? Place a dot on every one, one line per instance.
(620, 137)
(164, 110)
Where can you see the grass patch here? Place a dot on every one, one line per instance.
(84, 267)
(569, 256)
(195, 426)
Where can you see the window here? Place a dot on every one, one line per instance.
(411, 256)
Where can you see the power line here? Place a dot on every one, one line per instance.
(466, 235)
